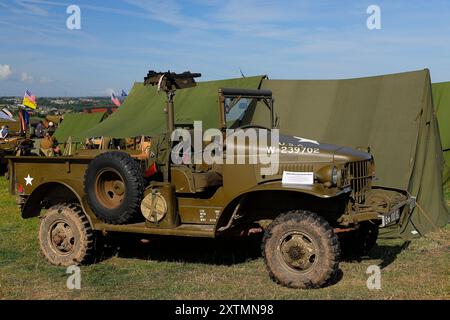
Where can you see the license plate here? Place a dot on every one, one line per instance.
(390, 218)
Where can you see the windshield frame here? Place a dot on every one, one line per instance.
(236, 95)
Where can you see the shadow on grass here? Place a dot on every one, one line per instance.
(179, 249)
(387, 254)
(222, 251)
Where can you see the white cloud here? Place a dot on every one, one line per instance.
(169, 12)
(30, 7)
(25, 77)
(5, 71)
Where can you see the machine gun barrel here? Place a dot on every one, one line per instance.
(171, 80)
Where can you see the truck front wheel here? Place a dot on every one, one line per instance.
(301, 250)
(65, 235)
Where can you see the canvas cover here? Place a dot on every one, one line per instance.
(441, 99)
(393, 114)
(75, 123)
(142, 113)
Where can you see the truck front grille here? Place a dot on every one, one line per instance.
(358, 175)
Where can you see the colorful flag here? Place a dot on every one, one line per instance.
(115, 100)
(29, 100)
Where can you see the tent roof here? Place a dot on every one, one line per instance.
(142, 112)
(75, 123)
(393, 114)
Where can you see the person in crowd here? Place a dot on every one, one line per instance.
(49, 146)
(39, 131)
(51, 128)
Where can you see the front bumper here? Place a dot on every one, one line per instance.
(396, 212)
(388, 206)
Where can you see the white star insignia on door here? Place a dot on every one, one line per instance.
(29, 180)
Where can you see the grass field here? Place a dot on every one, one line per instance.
(207, 269)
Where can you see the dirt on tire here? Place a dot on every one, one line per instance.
(324, 263)
(65, 236)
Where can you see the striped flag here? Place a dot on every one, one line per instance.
(29, 100)
(115, 100)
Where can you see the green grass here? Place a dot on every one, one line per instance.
(168, 268)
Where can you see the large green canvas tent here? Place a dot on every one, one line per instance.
(75, 123)
(441, 99)
(142, 113)
(393, 114)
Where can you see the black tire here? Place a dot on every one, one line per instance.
(301, 250)
(358, 243)
(114, 186)
(65, 236)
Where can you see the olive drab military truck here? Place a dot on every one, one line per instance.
(318, 199)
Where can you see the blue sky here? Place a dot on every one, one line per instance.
(121, 40)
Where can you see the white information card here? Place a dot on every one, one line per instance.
(293, 178)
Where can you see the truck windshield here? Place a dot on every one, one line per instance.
(236, 111)
(240, 112)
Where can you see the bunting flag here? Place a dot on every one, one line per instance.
(29, 100)
(115, 100)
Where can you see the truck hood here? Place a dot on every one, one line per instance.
(295, 148)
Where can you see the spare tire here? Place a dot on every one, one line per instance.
(114, 186)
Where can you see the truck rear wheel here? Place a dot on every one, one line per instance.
(301, 250)
(114, 186)
(65, 235)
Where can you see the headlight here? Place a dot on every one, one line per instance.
(334, 176)
(330, 176)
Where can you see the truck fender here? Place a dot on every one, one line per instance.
(317, 190)
(52, 192)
